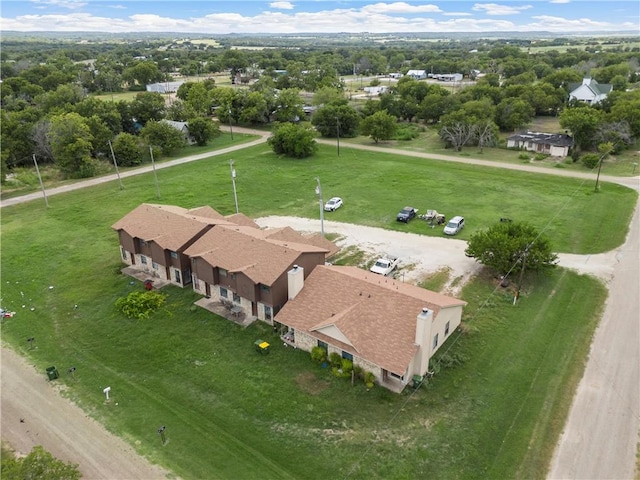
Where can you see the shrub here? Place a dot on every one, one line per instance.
(318, 355)
(335, 359)
(369, 378)
(347, 366)
(590, 160)
(139, 305)
(524, 156)
(540, 156)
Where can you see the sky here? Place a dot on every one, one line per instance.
(320, 16)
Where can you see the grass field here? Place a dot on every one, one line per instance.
(494, 410)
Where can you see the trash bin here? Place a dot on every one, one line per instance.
(416, 381)
(261, 346)
(52, 373)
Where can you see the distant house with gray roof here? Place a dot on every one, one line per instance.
(554, 144)
(589, 91)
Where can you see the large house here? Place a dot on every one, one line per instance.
(554, 144)
(247, 267)
(417, 74)
(280, 276)
(387, 327)
(589, 91)
(153, 239)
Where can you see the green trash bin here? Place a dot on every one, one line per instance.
(52, 373)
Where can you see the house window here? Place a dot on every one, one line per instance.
(174, 254)
(265, 288)
(435, 341)
(347, 355)
(324, 345)
(143, 259)
(154, 265)
(267, 312)
(224, 293)
(236, 298)
(446, 329)
(232, 276)
(124, 253)
(143, 243)
(395, 375)
(176, 274)
(222, 272)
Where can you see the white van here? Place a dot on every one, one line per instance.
(454, 225)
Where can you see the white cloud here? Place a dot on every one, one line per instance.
(560, 1)
(400, 7)
(282, 5)
(497, 9)
(375, 18)
(70, 4)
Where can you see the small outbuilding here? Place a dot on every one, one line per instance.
(554, 144)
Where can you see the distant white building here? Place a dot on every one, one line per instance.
(554, 144)
(377, 90)
(589, 91)
(417, 74)
(448, 77)
(164, 87)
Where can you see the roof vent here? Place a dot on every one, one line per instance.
(425, 310)
(295, 267)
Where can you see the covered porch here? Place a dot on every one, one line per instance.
(145, 276)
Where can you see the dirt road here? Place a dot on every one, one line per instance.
(34, 413)
(598, 442)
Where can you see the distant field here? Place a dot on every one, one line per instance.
(602, 46)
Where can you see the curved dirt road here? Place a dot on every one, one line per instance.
(599, 440)
(34, 413)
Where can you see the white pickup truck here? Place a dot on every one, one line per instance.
(384, 265)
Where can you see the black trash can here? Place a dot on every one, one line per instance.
(52, 373)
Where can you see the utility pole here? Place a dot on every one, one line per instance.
(44, 194)
(115, 164)
(524, 261)
(233, 180)
(155, 175)
(230, 127)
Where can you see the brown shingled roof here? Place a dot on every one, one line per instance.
(288, 233)
(375, 315)
(246, 249)
(169, 226)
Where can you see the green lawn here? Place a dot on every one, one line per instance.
(231, 413)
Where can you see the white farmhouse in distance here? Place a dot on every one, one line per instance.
(589, 91)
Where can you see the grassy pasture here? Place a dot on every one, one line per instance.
(231, 413)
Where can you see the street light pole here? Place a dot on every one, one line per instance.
(319, 193)
(230, 127)
(233, 180)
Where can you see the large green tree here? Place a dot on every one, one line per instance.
(71, 144)
(40, 465)
(379, 126)
(293, 140)
(583, 122)
(164, 136)
(202, 129)
(506, 245)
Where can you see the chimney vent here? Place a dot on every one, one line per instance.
(425, 309)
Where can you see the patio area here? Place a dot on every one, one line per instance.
(143, 276)
(234, 314)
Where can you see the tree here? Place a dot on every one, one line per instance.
(457, 133)
(147, 106)
(486, 133)
(513, 113)
(293, 140)
(504, 247)
(126, 148)
(38, 464)
(329, 95)
(198, 99)
(163, 136)
(288, 106)
(379, 126)
(70, 139)
(327, 119)
(202, 129)
(583, 122)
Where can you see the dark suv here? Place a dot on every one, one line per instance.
(406, 214)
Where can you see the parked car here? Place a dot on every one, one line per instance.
(406, 214)
(384, 265)
(454, 225)
(333, 204)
